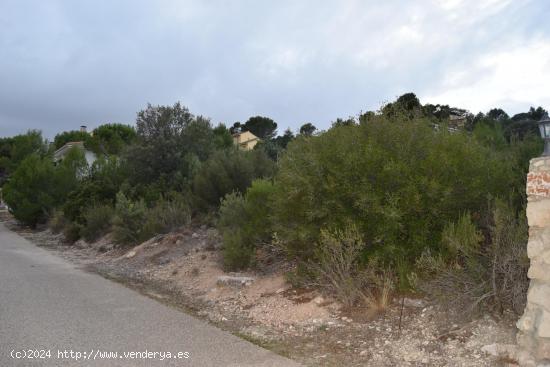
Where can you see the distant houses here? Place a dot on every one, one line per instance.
(245, 140)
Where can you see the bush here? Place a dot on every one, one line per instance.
(37, 187)
(237, 252)
(481, 273)
(97, 221)
(336, 265)
(228, 171)
(399, 182)
(72, 232)
(100, 186)
(129, 219)
(244, 223)
(168, 214)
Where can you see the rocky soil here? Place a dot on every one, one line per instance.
(183, 269)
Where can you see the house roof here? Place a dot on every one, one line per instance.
(67, 146)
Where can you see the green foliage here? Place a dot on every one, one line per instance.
(491, 136)
(111, 138)
(97, 220)
(244, 223)
(236, 253)
(130, 217)
(488, 273)
(398, 181)
(263, 127)
(72, 231)
(282, 141)
(222, 137)
(37, 187)
(15, 149)
(227, 171)
(99, 186)
(336, 266)
(307, 129)
(169, 213)
(461, 238)
(169, 138)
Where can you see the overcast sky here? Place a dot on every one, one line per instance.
(67, 63)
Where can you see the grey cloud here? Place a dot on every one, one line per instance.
(67, 62)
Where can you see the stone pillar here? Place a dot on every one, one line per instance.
(534, 326)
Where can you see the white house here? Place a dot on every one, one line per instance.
(60, 154)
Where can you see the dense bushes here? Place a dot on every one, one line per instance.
(244, 223)
(37, 186)
(398, 182)
(134, 222)
(227, 171)
(100, 186)
(354, 201)
(391, 189)
(97, 221)
(129, 220)
(169, 213)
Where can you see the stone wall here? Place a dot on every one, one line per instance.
(534, 335)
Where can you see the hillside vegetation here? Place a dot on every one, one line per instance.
(398, 199)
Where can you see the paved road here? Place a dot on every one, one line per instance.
(47, 303)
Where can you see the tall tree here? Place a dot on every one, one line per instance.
(307, 129)
(111, 138)
(263, 127)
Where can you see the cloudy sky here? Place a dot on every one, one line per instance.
(65, 63)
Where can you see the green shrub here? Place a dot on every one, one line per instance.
(461, 238)
(168, 214)
(244, 223)
(100, 186)
(237, 252)
(37, 186)
(129, 219)
(72, 232)
(488, 274)
(400, 182)
(228, 171)
(336, 265)
(97, 221)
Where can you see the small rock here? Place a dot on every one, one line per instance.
(195, 235)
(499, 350)
(415, 303)
(130, 254)
(318, 300)
(234, 281)
(363, 352)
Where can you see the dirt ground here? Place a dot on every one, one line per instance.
(183, 269)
